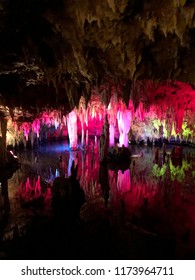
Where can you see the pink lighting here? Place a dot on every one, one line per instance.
(37, 188)
(29, 191)
(82, 113)
(123, 181)
(111, 132)
(87, 138)
(72, 157)
(36, 127)
(124, 123)
(140, 112)
(171, 103)
(72, 129)
(26, 128)
(112, 114)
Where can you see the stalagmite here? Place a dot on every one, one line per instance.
(82, 115)
(26, 128)
(36, 127)
(111, 135)
(72, 129)
(124, 123)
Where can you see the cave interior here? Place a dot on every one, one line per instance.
(78, 70)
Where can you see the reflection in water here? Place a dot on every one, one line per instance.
(123, 181)
(33, 193)
(156, 198)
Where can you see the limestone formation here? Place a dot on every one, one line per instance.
(54, 52)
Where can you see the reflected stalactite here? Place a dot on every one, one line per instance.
(33, 192)
(104, 182)
(123, 181)
(72, 129)
(171, 105)
(82, 113)
(36, 125)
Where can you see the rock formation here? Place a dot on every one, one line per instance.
(54, 52)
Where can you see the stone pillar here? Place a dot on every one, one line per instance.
(124, 123)
(111, 131)
(123, 181)
(82, 135)
(72, 129)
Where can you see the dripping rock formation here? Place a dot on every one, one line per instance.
(52, 53)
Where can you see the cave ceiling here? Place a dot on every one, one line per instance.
(52, 52)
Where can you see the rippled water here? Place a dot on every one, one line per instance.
(149, 204)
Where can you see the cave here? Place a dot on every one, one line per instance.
(98, 96)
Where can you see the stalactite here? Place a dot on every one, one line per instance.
(111, 4)
(149, 27)
(126, 92)
(179, 119)
(111, 135)
(26, 128)
(135, 94)
(169, 125)
(36, 127)
(124, 118)
(72, 129)
(112, 113)
(104, 141)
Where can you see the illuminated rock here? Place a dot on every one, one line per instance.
(72, 129)
(124, 123)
